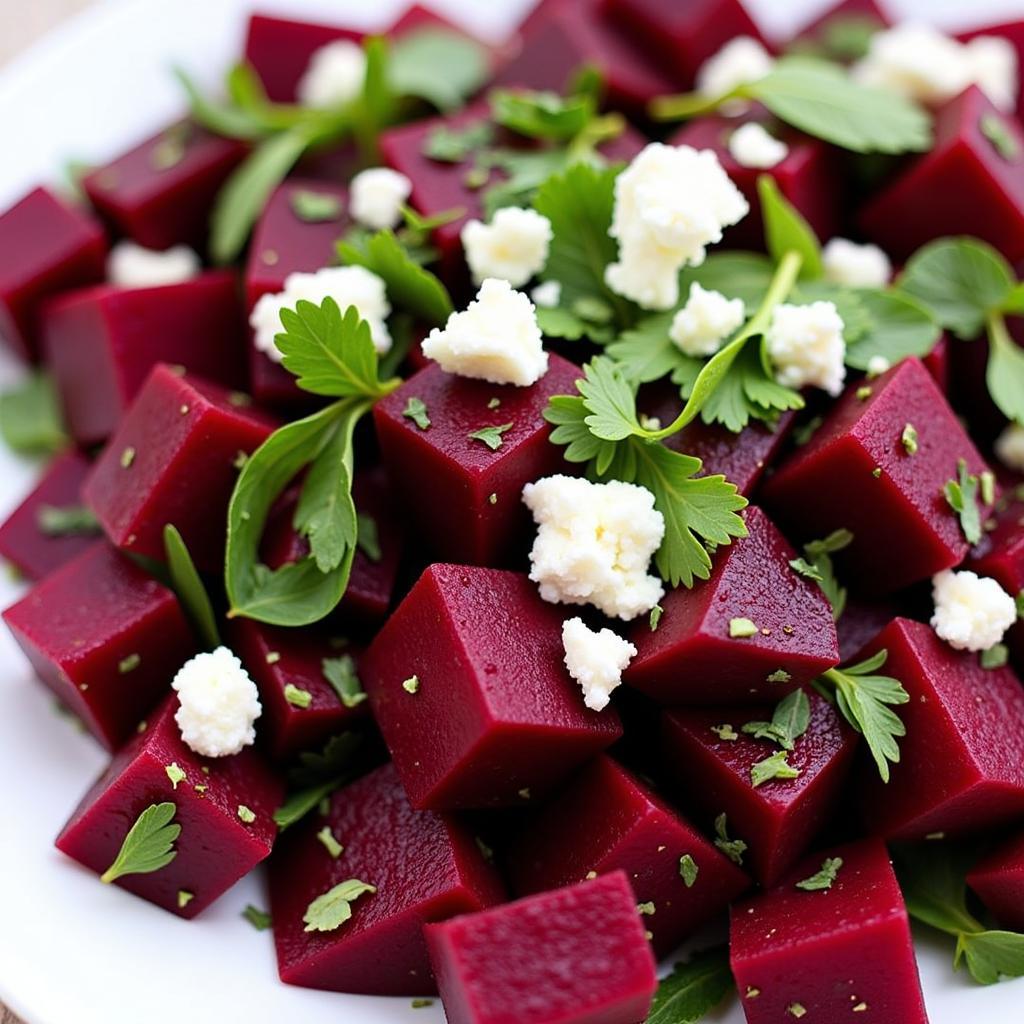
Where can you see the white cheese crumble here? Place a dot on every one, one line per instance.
(1010, 447)
(707, 319)
(133, 266)
(348, 286)
(495, 338)
(751, 145)
(218, 704)
(972, 612)
(334, 75)
(514, 246)
(854, 265)
(377, 195)
(596, 660)
(993, 63)
(548, 294)
(670, 203)
(741, 61)
(594, 544)
(877, 365)
(806, 345)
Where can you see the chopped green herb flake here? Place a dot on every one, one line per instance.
(296, 697)
(259, 919)
(524, 793)
(803, 433)
(273, 657)
(779, 676)
(315, 207)
(864, 392)
(485, 851)
(789, 722)
(68, 521)
(796, 1010)
(732, 848)
(725, 732)
(999, 133)
(411, 685)
(492, 498)
(149, 844)
(741, 628)
(876, 472)
(773, 767)
(453, 146)
(962, 496)
(688, 870)
(491, 436)
(127, 457)
(806, 569)
(341, 674)
(995, 657)
(245, 814)
(129, 664)
(332, 909)
(420, 1004)
(909, 439)
(185, 898)
(175, 774)
(493, 403)
(169, 150)
(656, 613)
(1019, 601)
(752, 993)
(824, 878)
(416, 410)
(330, 844)
(987, 482)
(819, 554)
(645, 909)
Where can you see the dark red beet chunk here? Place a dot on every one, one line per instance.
(425, 867)
(45, 248)
(482, 517)
(831, 955)
(845, 13)
(572, 956)
(493, 718)
(161, 192)
(691, 658)
(973, 715)
(215, 847)
(780, 818)
(102, 343)
(105, 637)
(1013, 32)
(937, 363)
(24, 542)
(607, 820)
(904, 529)
(174, 459)
(998, 879)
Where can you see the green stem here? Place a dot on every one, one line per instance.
(683, 106)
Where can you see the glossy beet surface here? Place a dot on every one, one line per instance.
(832, 955)
(998, 880)
(425, 867)
(105, 637)
(215, 847)
(572, 956)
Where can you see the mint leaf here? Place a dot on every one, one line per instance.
(962, 496)
(149, 844)
(824, 878)
(443, 67)
(775, 766)
(331, 910)
(693, 989)
(341, 674)
(787, 230)
(189, 588)
(491, 436)
(541, 115)
(898, 326)
(66, 521)
(30, 417)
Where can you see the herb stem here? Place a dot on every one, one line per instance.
(687, 105)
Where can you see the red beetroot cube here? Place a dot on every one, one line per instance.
(105, 637)
(468, 685)
(832, 954)
(482, 516)
(843, 15)
(572, 956)
(174, 458)
(778, 819)
(101, 344)
(607, 820)
(693, 658)
(973, 715)
(46, 247)
(856, 473)
(161, 192)
(26, 541)
(424, 866)
(937, 363)
(998, 880)
(211, 796)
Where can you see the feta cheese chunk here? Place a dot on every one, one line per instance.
(741, 61)
(993, 63)
(218, 704)
(513, 247)
(854, 265)
(752, 146)
(670, 203)
(1010, 447)
(806, 345)
(594, 544)
(348, 286)
(595, 660)
(972, 612)
(377, 195)
(707, 319)
(495, 338)
(548, 294)
(334, 75)
(133, 266)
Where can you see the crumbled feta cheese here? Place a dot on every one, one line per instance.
(513, 247)
(594, 544)
(1010, 447)
(707, 319)
(752, 146)
(596, 660)
(377, 195)
(348, 286)
(856, 266)
(334, 75)
(877, 365)
(993, 63)
(806, 345)
(133, 266)
(972, 612)
(670, 203)
(218, 704)
(496, 338)
(548, 294)
(741, 61)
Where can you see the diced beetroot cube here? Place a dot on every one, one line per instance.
(998, 879)
(31, 549)
(174, 458)
(101, 344)
(482, 516)
(777, 819)
(973, 715)
(846, 12)
(1013, 32)
(829, 955)
(216, 846)
(862, 620)
(468, 685)
(856, 473)
(105, 637)
(607, 820)
(964, 186)
(572, 956)
(161, 192)
(692, 658)
(46, 247)
(424, 866)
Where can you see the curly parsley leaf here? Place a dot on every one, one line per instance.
(189, 587)
(149, 844)
(30, 417)
(332, 909)
(693, 989)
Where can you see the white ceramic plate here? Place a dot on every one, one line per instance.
(73, 951)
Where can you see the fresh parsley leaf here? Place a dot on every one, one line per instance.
(331, 910)
(259, 919)
(450, 145)
(824, 878)
(368, 537)
(149, 844)
(737, 275)
(732, 848)
(786, 229)
(541, 115)
(995, 656)
(804, 568)
(416, 410)
(491, 436)
(645, 352)
(775, 766)
(962, 497)
(818, 556)
(315, 207)
(789, 722)
(66, 521)
(341, 674)
(693, 989)
(524, 172)
(610, 401)
(897, 326)
(443, 67)
(300, 803)
(334, 763)
(329, 842)
(30, 418)
(297, 697)
(1005, 371)
(188, 585)
(991, 955)
(688, 870)
(225, 119)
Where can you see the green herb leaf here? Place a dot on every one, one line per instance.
(298, 698)
(786, 229)
(789, 722)
(1005, 371)
(962, 496)
(732, 848)
(491, 436)
(341, 674)
(542, 115)
(1000, 134)
(775, 766)
(646, 353)
(737, 275)
(331, 910)
(610, 401)
(443, 67)
(688, 870)
(175, 774)
(897, 327)
(742, 628)
(189, 587)
(66, 521)
(991, 955)
(368, 537)
(259, 919)
(221, 118)
(316, 207)
(448, 145)
(818, 554)
(30, 418)
(995, 656)
(824, 878)
(149, 844)
(416, 410)
(330, 844)
(693, 989)
(300, 803)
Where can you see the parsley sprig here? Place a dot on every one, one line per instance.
(789, 722)
(331, 910)
(693, 989)
(149, 844)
